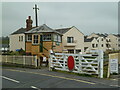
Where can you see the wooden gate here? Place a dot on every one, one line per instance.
(83, 63)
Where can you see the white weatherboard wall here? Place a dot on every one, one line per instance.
(15, 43)
(78, 38)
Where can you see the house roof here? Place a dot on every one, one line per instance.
(117, 35)
(63, 30)
(42, 29)
(19, 31)
(102, 35)
(88, 39)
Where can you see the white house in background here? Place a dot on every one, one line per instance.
(97, 41)
(115, 41)
(17, 38)
(90, 44)
(72, 40)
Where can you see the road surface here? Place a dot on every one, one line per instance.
(31, 78)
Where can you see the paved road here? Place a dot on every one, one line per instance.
(30, 78)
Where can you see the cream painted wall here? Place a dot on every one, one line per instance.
(15, 43)
(78, 38)
(114, 42)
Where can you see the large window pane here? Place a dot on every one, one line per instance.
(70, 40)
(35, 41)
(47, 37)
(29, 37)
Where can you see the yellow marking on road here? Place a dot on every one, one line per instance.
(51, 76)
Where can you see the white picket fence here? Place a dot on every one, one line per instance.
(23, 60)
(84, 63)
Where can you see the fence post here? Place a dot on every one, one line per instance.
(50, 60)
(23, 60)
(101, 63)
(13, 59)
(80, 64)
(64, 59)
(32, 61)
(35, 61)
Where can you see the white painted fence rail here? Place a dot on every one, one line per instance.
(23, 60)
(84, 63)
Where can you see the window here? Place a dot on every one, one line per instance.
(57, 38)
(70, 40)
(108, 45)
(119, 45)
(70, 50)
(78, 51)
(118, 39)
(47, 37)
(102, 39)
(29, 37)
(93, 45)
(20, 38)
(108, 40)
(96, 45)
(35, 41)
(101, 45)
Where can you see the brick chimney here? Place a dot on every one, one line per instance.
(29, 23)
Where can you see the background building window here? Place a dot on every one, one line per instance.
(29, 37)
(101, 45)
(35, 41)
(93, 45)
(96, 45)
(78, 51)
(70, 40)
(70, 50)
(102, 39)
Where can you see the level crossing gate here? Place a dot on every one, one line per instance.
(78, 63)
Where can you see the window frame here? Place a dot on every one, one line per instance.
(70, 39)
(47, 37)
(35, 39)
(28, 38)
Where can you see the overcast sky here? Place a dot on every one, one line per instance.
(88, 17)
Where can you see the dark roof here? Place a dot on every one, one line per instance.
(117, 35)
(102, 35)
(88, 39)
(42, 29)
(63, 30)
(19, 31)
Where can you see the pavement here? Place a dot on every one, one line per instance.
(43, 78)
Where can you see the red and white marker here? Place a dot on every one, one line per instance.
(70, 63)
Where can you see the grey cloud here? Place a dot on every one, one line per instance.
(88, 17)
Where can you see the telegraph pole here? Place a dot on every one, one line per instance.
(36, 14)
